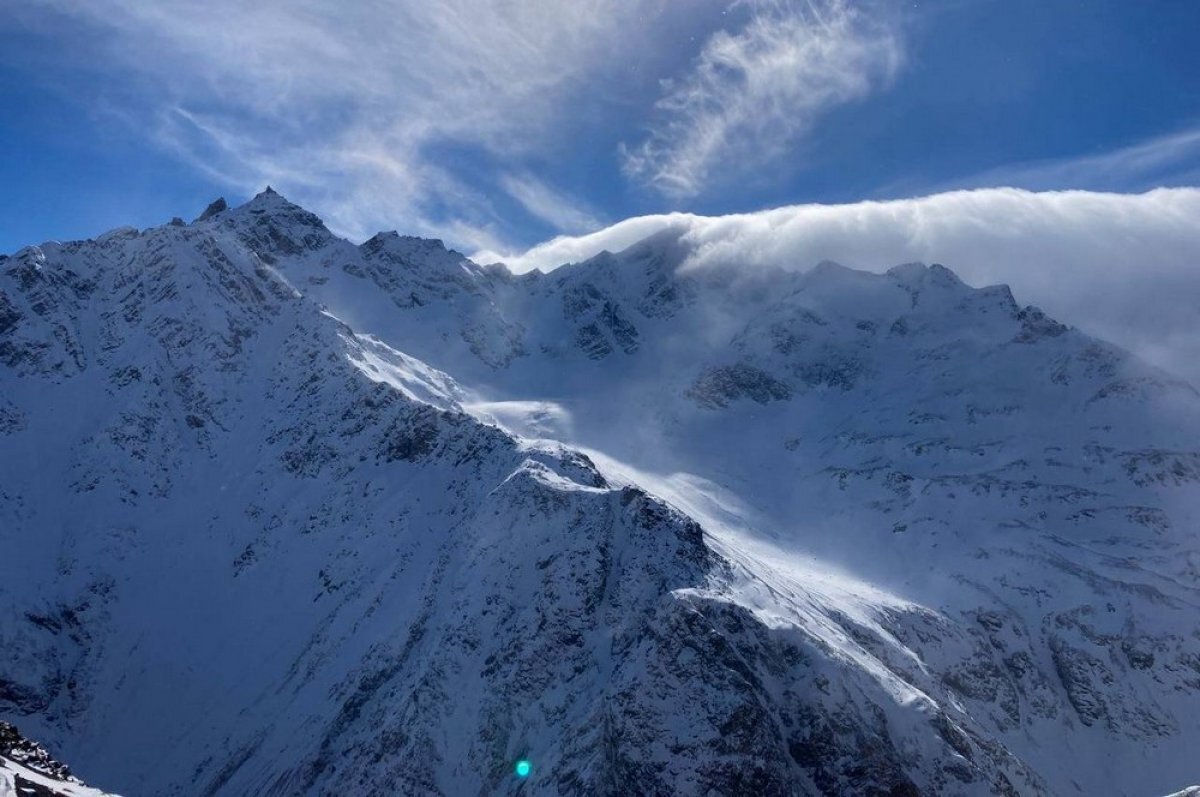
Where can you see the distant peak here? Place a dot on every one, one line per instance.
(829, 273)
(829, 267)
(908, 271)
(915, 274)
(274, 226)
(396, 242)
(269, 206)
(940, 272)
(218, 205)
(409, 251)
(269, 198)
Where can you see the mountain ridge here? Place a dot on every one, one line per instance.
(251, 402)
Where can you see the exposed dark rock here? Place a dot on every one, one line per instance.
(218, 205)
(718, 386)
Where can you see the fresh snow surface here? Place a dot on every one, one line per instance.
(298, 516)
(11, 771)
(28, 770)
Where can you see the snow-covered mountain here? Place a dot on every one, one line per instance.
(289, 515)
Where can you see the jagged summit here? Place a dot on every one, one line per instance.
(265, 202)
(274, 226)
(218, 205)
(918, 276)
(411, 247)
(269, 200)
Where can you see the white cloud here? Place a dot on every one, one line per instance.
(352, 109)
(340, 104)
(372, 112)
(753, 92)
(1125, 267)
(565, 249)
(556, 209)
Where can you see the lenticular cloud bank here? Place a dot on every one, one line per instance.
(287, 515)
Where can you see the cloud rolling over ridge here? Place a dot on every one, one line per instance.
(1125, 267)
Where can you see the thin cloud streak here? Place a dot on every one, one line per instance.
(561, 212)
(1161, 161)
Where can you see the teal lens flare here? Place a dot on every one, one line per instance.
(523, 768)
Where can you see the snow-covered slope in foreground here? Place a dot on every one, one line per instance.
(294, 516)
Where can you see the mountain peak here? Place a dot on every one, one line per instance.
(218, 205)
(411, 250)
(828, 267)
(275, 226)
(269, 200)
(918, 274)
(391, 238)
(266, 201)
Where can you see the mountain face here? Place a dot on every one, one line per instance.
(294, 516)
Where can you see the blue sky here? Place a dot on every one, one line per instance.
(499, 128)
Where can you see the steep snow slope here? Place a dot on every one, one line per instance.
(1036, 487)
(273, 541)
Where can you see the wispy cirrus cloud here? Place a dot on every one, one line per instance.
(1155, 162)
(563, 213)
(355, 107)
(431, 116)
(754, 90)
